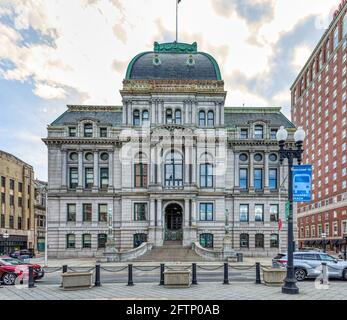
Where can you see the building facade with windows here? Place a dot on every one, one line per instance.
(40, 215)
(171, 164)
(16, 204)
(319, 99)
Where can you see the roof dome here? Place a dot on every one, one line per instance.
(173, 61)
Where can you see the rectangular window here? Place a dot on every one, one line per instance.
(71, 212)
(104, 178)
(259, 212)
(72, 132)
(89, 178)
(273, 134)
(19, 223)
(3, 182)
(20, 202)
(11, 200)
(70, 241)
(274, 212)
(206, 175)
(2, 225)
(73, 178)
(243, 178)
(140, 211)
(206, 211)
(11, 184)
(11, 222)
(141, 173)
(258, 179)
(88, 130)
(102, 212)
(206, 240)
(244, 134)
(3, 198)
(20, 187)
(102, 239)
(103, 132)
(273, 179)
(258, 132)
(86, 241)
(87, 212)
(244, 212)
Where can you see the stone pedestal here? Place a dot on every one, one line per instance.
(177, 279)
(274, 276)
(77, 280)
(111, 254)
(228, 251)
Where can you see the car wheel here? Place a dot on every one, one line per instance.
(344, 275)
(300, 274)
(9, 279)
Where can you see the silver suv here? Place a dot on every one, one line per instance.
(309, 265)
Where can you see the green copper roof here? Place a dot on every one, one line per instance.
(173, 64)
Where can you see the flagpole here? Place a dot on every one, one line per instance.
(176, 20)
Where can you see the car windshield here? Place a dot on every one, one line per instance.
(10, 262)
(326, 257)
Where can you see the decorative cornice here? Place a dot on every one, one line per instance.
(93, 108)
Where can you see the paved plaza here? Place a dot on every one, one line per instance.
(152, 291)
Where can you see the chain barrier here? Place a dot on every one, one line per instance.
(153, 268)
(55, 270)
(74, 270)
(177, 268)
(242, 268)
(210, 269)
(108, 270)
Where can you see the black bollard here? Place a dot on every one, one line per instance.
(31, 283)
(130, 275)
(226, 273)
(194, 281)
(257, 273)
(162, 269)
(97, 276)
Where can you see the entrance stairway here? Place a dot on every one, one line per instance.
(171, 251)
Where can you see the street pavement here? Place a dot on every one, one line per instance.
(152, 291)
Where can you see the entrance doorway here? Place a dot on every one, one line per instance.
(173, 222)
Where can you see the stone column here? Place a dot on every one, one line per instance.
(222, 114)
(217, 113)
(195, 214)
(194, 107)
(129, 113)
(266, 188)
(251, 170)
(64, 169)
(152, 213)
(110, 171)
(237, 170)
(160, 213)
(80, 171)
(96, 171)
(194, 163)
(124, 112)
(159, 166)
(186, 212)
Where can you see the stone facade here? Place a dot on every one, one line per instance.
(165, 166)
(16, 204)
(40, 215)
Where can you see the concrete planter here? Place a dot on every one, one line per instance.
(177, 279)
(77, 280)
(274, 277)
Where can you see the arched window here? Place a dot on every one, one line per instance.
(70, 241)
(145, 117)
(202, 119)
(344, 26)
(168, 116)
(136, 118)
(178, 117)
(244, 240)
(174, 170)
(206, 240)
(210, 119)
(259, 240)
(274, 240)
(259, 132)
(206, 171)
(139, 238)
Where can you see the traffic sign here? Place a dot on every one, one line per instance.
(287, 210)
(302, 177)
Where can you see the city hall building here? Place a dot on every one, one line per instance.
(172, 164)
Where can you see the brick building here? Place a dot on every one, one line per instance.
(16, 204)
(319, 105)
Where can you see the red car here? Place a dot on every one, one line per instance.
(11, 269)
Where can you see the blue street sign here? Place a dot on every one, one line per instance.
(302, 177)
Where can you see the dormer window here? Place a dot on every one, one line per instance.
(88, 130)
(103, 132)
(259, 132)
(273, 134)
(72, 132)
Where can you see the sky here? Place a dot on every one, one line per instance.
(59, 52)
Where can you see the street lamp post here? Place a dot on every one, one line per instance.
(290, 286)
(5, 236)
(345, 253)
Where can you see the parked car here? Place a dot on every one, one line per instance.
(308, 265)
(23, 254)
(11, 268)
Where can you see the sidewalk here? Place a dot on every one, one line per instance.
(202, 291)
